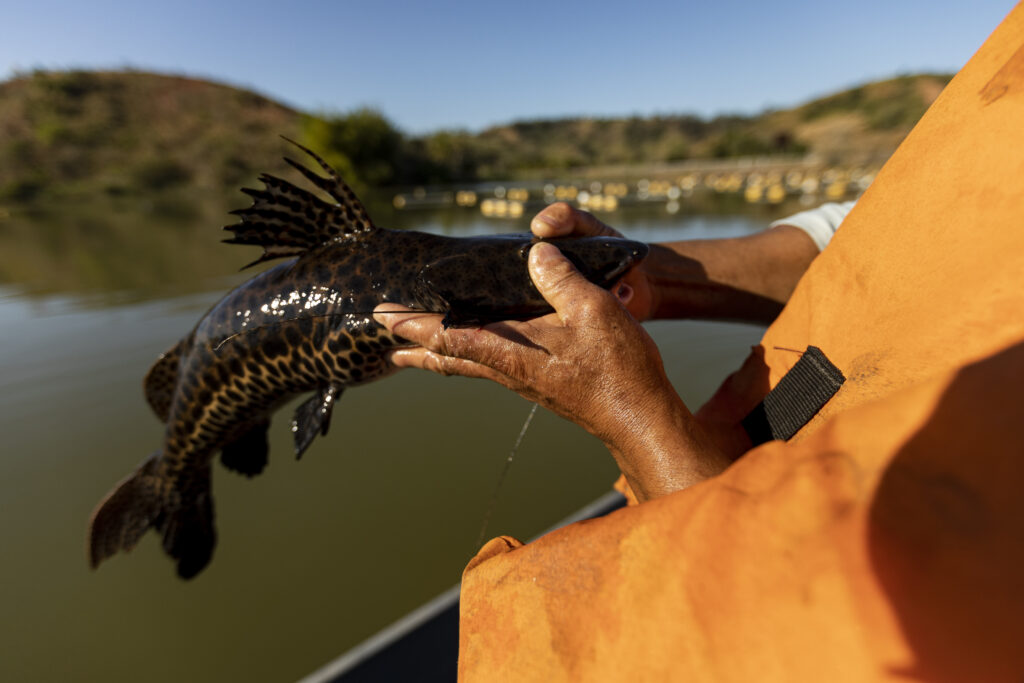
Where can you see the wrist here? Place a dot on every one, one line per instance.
(673, 279)
(747, 279)
(690, 280)
(661, 448)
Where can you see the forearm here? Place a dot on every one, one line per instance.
(747, 279)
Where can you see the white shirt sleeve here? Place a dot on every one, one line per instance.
(820, 223)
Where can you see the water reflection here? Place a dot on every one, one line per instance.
(314, 556)
(113, 253)
(110, 253)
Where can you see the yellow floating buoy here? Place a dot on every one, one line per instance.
(566, 192)
(836, 190)
(775, 193)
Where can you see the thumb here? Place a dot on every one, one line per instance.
(559, 282)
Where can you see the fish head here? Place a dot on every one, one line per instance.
(487, 279)
(602, 260)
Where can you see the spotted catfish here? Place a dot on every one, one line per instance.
(305, 326)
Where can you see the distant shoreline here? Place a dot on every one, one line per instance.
(74, 134)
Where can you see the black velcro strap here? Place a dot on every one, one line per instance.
(798, 397)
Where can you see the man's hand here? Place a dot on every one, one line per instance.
(748, 279)
(589, 361)
(561, 220)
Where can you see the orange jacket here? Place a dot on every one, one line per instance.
(886, 539)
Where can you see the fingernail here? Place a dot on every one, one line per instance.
(543, 221)
(383, 316)
(397, 358)
(543, 254)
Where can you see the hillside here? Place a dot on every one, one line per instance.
(121, 133)
(860, 125)
(130, 133)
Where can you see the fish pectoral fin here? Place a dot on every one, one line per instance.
(462, 284)
(248, 453)
(313, 417)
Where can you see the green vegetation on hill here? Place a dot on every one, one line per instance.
(124, 133)
(887, 105)
(134, 134)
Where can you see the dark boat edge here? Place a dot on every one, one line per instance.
(424, 644)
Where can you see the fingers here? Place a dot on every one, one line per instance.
(472, 352)
(562, 286)
(425, 359)
(416, 327)
(561, 220)
(424, 329)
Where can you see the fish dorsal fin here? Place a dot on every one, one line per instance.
(287, 220)
(353, 209)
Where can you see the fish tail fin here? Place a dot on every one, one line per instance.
(145, 500)
(189, 535)
(127, 512)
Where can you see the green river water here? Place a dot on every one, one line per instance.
(313, 556)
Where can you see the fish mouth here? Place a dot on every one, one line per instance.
(637, 254)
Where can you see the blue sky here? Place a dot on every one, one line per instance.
(443, 64)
